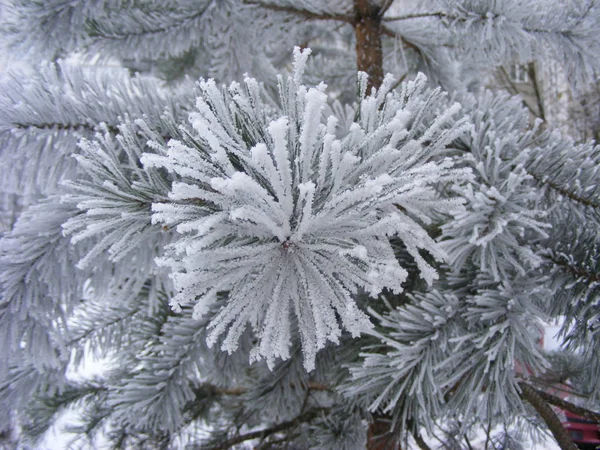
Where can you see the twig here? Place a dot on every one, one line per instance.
(576, 272)
(559, 385)
(437, 15)
(466, 438)
(537, 90)
(300, 12)
(564, 192)
(400, 80)
(488, 430)
(568, 406)
(262, 434)
(532, 397)
(419, 440)
(385, 6)
(61, 126)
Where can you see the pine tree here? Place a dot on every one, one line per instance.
(297, 250)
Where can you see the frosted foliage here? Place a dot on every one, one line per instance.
(504, 30)
(39, 285)
(502, 219)
(239, 55)
(439, 344)
(116, 196)
(42, 117)
(406, 377)
(340, 432)
(491, 231)
(315, 6)
(569, 174)
(575, 280)
(154, 395)
(497, 27)
(504, 324)
(138, 32)
(291, 220)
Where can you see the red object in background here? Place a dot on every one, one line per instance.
(585, 433)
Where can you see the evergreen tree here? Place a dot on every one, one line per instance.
(268, 259)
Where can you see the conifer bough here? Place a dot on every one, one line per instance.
(269, 260)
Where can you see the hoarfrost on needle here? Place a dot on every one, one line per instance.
(286, 222)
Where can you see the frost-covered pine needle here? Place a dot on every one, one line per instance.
(292, 221)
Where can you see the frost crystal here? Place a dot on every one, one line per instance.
(501, 219)
(291, 221)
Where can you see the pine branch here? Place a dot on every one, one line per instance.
(392, 34)
(564, 192)
(91, 331)
(453, 17)
(531, 71)
(309, 15)
(43, 411)
(236, 391)
(576, 272)
(568, 406)
(531, 395)
(468, 442)
(425, 15)
(589, 8)
(182, 22)
(263, 434)
(419, 440)
(559, 385)
(60, 126)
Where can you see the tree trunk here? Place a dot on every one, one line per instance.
(369, 55)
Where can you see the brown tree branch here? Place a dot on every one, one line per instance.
(530, 394)
(385, 31)
(562, 191)
(311, 386)
(568, 406)
(531, 71)
(59, 126)
(300, 12)
(564, 386)
(444, 15)
(576, 272)
(437, 15)
(381, 435)
(263, 434)
(420, 442)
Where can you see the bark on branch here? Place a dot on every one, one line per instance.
(420, 442)
(576, 272)
(564, 192)
(294, 10)
(59, 126)
(568, 406)
(263, 434)
(544, 410)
